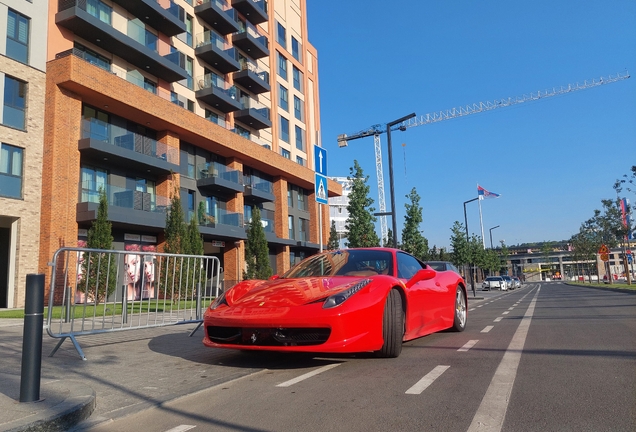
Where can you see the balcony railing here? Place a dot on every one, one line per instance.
(255, 182)
(102, 131)
(215, 169)
(124, 198)
(218, 216)
(252, 104)
(213, 80)
(250, 65)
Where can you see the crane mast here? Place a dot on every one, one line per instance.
(476, 108)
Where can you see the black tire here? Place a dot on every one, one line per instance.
(392, 326)
(459, 311)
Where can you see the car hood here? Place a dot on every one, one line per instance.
(286, 292)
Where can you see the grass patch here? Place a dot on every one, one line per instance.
(108, 309)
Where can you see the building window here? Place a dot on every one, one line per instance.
(283, 100)
(300, 138)
(297, 77)
(281, 36)
(95, 124)
(290, 227)
(93, 180)
(296, 49)
(150, 86)
(241, 131)
(290, 201)
(14, 103)
(284, 129)
(302, 199)
(189, 67)
(91, 56)
(18, 37)
(303, 233)
(10, 171)
(190, 204)
(99, 10)
(188, 34)
(300, 161)
(298, 108)
(282, 66)
(286, 154)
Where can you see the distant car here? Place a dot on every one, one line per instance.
(516, 281)
(509, 283)
(343, 301)
(442, 266)
(494, 282)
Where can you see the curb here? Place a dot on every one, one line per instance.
(53, 413)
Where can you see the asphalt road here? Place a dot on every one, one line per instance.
(547, 357)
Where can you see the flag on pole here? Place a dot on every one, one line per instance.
(483, 193)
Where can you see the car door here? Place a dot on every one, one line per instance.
(420, 312)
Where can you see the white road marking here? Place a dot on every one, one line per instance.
(505, 313)
(472, 309)
(308, 375)
(498, 319)
(480, 306)
(487, 329)
(428, 379)
(492, 411)
(511, 308)
(468, 345)
(181, 428)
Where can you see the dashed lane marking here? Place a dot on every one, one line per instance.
(498, 319)
(492, 411)
(511, 308)
(181, 428)
(471, 309)
(487, 329)
(505, 313)
(428, 379)
(468, 345)
(308, 375)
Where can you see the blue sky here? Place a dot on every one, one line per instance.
(551, 160)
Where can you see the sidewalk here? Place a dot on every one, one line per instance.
(124, 372)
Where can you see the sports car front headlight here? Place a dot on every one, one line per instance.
(342, 296)
(220, 300)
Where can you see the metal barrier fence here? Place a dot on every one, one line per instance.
(97, 291)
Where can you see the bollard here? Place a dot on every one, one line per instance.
(32, 339)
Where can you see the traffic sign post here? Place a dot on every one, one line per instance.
(320, 184)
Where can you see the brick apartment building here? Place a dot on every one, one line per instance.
(217, 99)
(22, 78)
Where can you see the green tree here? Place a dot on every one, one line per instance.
(256, 250)
(628, 182)
(176, 231)
(476, 253)
(504, 254)
(173, 277)
(99, 270)
(360, 222)
(584, 250)
(388, 242)
(333, 242)
(491, 262)
(459, 245)
(413, 241)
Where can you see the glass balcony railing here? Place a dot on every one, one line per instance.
(218, 83)
(124, 198)
(247, 64)
(252, 30)
(255, 182)
(249, 103)
(138, 32)
(213, 38)
(215, 169)
(219, 216)
(108, 133)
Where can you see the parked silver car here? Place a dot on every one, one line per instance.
(509, 283)
(516, 281)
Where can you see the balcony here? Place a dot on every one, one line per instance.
(169, 21)
(217, 93)
(251, 42)
(217, 13)
(127, 208)
(254, 11)
(212, 49)
(258, 190)
(222, 223)
(217, 178)
(74, 17)
(253, 114)
(127, 150)
(252, 78)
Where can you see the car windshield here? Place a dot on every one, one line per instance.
(493, 278)
(351, 262)
(437, 266)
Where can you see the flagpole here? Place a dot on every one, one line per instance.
(481, 223)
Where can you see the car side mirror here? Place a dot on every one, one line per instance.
(421, 275)
(274, 277)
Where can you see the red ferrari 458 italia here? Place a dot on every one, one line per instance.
(343, 301)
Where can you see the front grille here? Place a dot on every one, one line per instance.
(268, 336)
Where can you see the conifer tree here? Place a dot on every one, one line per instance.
(412, 239)
(176, 231)
(99, 268)
(388, 242)
(256, 250)
(333, 243)
(360, 223)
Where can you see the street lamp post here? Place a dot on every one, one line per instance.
(470, 270)
(491, 234)
(388, 139)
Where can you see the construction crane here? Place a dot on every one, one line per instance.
(438, 116)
